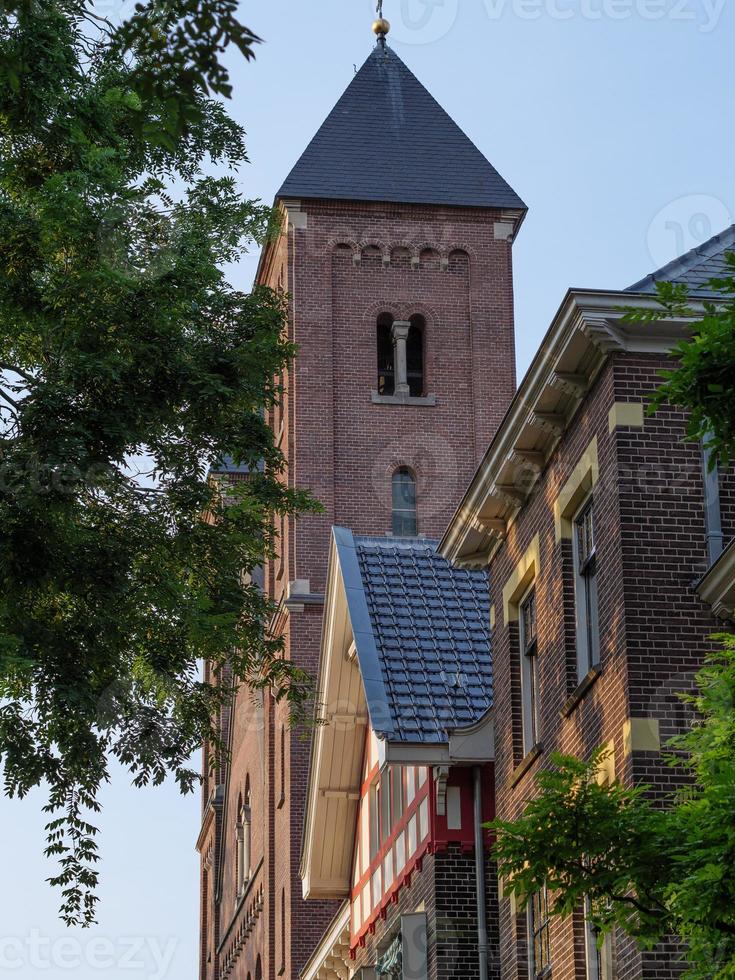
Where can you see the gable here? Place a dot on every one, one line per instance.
(337, 754)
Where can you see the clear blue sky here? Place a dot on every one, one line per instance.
(612, 119)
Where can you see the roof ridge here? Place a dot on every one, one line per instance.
(389, 542)
(684, 263)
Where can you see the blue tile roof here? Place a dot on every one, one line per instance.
(695, 268)
(387, 139)
(229, 466)
(422, 632)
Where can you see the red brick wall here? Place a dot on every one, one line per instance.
(651, 547)
(345, 449)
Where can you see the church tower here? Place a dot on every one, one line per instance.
(395, 251)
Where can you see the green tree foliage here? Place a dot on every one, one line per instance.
(649, 867)
(130, 367)
(703, 382)
(174, 51)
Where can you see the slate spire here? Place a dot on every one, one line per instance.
(388, 139)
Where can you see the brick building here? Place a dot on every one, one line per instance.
(603, 533)
(610, 550)
(395, 252)
(610, 553)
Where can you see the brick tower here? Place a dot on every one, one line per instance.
(396, 254)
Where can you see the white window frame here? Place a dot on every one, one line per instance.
(586, 600)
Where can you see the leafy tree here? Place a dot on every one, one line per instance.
(703, 381)
(130, 368)
(649, 868)
(176, 49)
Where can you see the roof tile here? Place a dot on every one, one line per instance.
(431, 626)
(387, 139)
(695, 268)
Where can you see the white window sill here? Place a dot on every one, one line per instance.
(426, 400)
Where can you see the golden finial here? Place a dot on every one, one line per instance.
(381, 26)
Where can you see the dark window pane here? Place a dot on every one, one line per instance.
(588, 628)
(385, 820)
(404, 504)
(585, 528)
(386, 357)
(529, 621)
(415, 357)
(374, 820)
(529, 671)
(397, 793)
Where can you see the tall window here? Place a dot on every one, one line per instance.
(599, 958)
(415, 357)
(385, 805)
(374, 820)
(592, 953)
(398, 794)
(585, 590)
(242, 838)
(386, 356)
(538, 935)
(529, 671)
(405, 524)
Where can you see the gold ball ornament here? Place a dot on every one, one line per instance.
(381, 27)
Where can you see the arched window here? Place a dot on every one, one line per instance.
(386, 356)
(258, 969)
(415, 356)
(405, 524)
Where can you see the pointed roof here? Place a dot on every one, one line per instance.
(387, 139)
(695, 268)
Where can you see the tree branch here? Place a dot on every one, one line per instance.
(17, 370)
(629, 900)
(10, 401)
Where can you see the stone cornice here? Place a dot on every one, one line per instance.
(213, 804)
(717, 586)
(587, 329)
